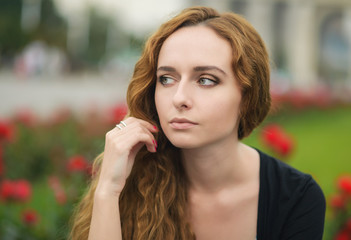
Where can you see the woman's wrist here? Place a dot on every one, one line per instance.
(106, 193)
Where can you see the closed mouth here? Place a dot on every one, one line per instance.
(182, 123)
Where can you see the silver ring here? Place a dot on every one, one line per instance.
(123, 123)
(119, 126)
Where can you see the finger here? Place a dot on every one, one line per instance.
(131, 135)
(133, 126)
(145, 137)
(131, 120)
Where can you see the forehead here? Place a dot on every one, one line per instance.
(198, 44)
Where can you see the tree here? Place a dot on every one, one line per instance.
(52, 28)
(12, 39)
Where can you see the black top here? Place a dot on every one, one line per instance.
(291, 204)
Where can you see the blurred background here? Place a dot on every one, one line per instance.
(65, 66)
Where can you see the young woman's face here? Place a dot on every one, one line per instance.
(197, 97)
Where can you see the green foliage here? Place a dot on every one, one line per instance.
(53, 27)
(41, 150)
(40, 153)
(11, 36)
(97, 37)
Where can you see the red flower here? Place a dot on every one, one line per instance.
(337, 201)
(344, 183)
(23, 190)
(78, 164)
(7, 131)
(30, 217)
(59, 192)
(25, 117)
(61, 197)
(1, 163)
(274, 137)
(19, 190)
(6, 189)
(284, 146)
(118, 113)
(342, 235)
(60, 116)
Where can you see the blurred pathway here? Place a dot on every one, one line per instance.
(43, 95)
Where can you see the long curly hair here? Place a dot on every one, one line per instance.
(154, 201)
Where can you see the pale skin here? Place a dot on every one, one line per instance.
(198, 103)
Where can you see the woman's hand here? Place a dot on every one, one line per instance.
(121, 147)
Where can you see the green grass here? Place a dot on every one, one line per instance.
(322, 139)
(323, 148)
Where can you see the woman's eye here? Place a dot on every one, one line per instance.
(164, 80)
(207, 82)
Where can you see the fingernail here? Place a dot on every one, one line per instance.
(155, 127)
(155, 143)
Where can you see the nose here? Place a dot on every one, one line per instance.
(182, 97)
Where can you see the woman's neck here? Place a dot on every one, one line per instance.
(213, 168)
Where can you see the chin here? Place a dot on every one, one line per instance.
(184, 146)
(185, 143)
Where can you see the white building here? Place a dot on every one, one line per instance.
(309, 40)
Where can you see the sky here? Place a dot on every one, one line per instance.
(137, 16)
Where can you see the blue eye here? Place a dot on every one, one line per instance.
(207, 82)
(164, 80)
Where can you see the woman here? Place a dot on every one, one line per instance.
(175, 167)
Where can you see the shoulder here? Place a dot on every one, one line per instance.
(282, 177)
(289, 200)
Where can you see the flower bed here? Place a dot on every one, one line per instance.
(45, 166)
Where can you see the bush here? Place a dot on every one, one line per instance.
(45, 167)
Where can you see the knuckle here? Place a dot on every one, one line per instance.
(139, 128)
(110, 138)
(108, 135)
(132, 119)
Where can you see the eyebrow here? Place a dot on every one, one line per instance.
(196, 69)
(207, 68)
(166, 69)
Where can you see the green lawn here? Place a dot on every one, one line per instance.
(323, 146)
(322, 142)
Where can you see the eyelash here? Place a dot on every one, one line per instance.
(162, 78)
(214, 81)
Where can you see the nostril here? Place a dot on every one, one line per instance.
(182, 96)
(181, 102)
(184, 106)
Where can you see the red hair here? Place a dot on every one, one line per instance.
(153, 203)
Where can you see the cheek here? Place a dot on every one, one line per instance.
(160, 104)
(157, 98)
(224, 112)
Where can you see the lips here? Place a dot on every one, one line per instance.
(182, 123)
